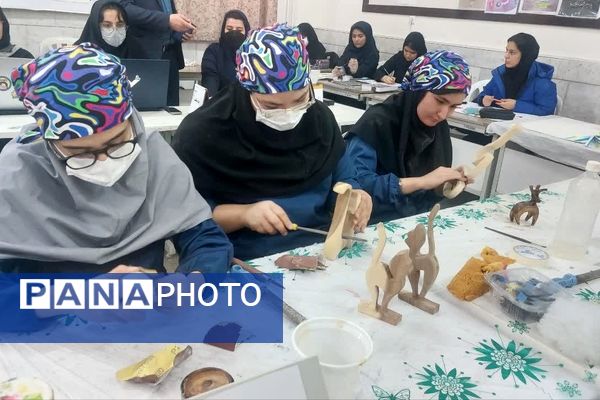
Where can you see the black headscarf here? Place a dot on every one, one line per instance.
(92, 33)
(368, 51)
(235, 159)
(5, 42)
(404, 145)
(515, 78)
(231, 41)
(414, 41)
(316, 50)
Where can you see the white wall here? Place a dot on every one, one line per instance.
(339, 15)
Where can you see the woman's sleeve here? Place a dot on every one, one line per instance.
(204, 248)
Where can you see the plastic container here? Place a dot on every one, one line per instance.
(524, 293)
(341, 347)
(26, 388)
(576, 224)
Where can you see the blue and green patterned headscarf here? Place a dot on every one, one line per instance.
(273, 60)
(73, 92)
(438, 70)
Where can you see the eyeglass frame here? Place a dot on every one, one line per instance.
(95, 153)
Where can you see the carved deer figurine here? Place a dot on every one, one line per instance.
(530, 207)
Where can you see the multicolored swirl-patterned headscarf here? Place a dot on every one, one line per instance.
(273, 60)
(438, 70)
(73, 92)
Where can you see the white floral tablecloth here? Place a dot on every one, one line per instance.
(466, 351)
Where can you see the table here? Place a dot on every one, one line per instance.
(162, 121)
(376, 98)
(346, 115)
(547, 136)
(424, 353)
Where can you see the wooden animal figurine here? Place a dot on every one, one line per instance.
(389, 279)
(346, 204)
(530, 207)
(483, 158)
(426, 263)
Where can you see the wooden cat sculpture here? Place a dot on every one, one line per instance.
(426, 263)
(389, 279)
(346, 204)
(530, 207)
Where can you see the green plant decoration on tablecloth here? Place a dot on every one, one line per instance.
(589, 295)
(570, 389)
(438, 222)
(511, 360)
(447, 385)
(355, 251)
(471, 213)
(518, 327)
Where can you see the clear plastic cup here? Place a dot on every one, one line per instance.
(341, 346)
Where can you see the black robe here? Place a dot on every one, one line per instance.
(235, 159)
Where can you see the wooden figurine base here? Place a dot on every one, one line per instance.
(389, 316)
(420, 302)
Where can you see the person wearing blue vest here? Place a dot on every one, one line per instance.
(522, 84)
(156, 31)
(265, 153)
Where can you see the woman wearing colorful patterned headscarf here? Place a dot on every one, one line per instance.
(401, 148)
(85, 188)
(264, 152)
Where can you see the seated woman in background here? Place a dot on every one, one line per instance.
(7, 49)
(401, 148)
(218, 62)
(106, 27)
(394, 69)
(86, 188)
(521, 84)
(316, 50)
(360, 58)
(265, 153)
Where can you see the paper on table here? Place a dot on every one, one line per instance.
(563, 128)
(198, 97)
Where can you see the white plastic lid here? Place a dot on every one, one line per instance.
(593, 166)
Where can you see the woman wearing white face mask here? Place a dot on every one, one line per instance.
(265, 153)
(106, 27)
(85, 188)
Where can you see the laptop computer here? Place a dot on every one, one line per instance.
(9, 103)
(150, 92)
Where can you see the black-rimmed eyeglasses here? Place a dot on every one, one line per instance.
(89, 158)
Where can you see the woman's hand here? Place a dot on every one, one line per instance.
(267, 217)
(390, 80)
(508, 104)
(353, 65)
(363, 213)
(488, 100)
(441, 175)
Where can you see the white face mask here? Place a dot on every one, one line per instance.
(104, 173)
(281, 119)
(114, 37)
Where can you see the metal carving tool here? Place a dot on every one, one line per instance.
(295, 227)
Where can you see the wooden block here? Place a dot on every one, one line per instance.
(420, 302)
(389, 316)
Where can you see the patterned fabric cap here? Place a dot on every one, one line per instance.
(73, 92)
(438, 70)
(273, 60)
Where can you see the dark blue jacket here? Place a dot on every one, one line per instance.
(149, 31)
(538, 97)
(389, 202)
